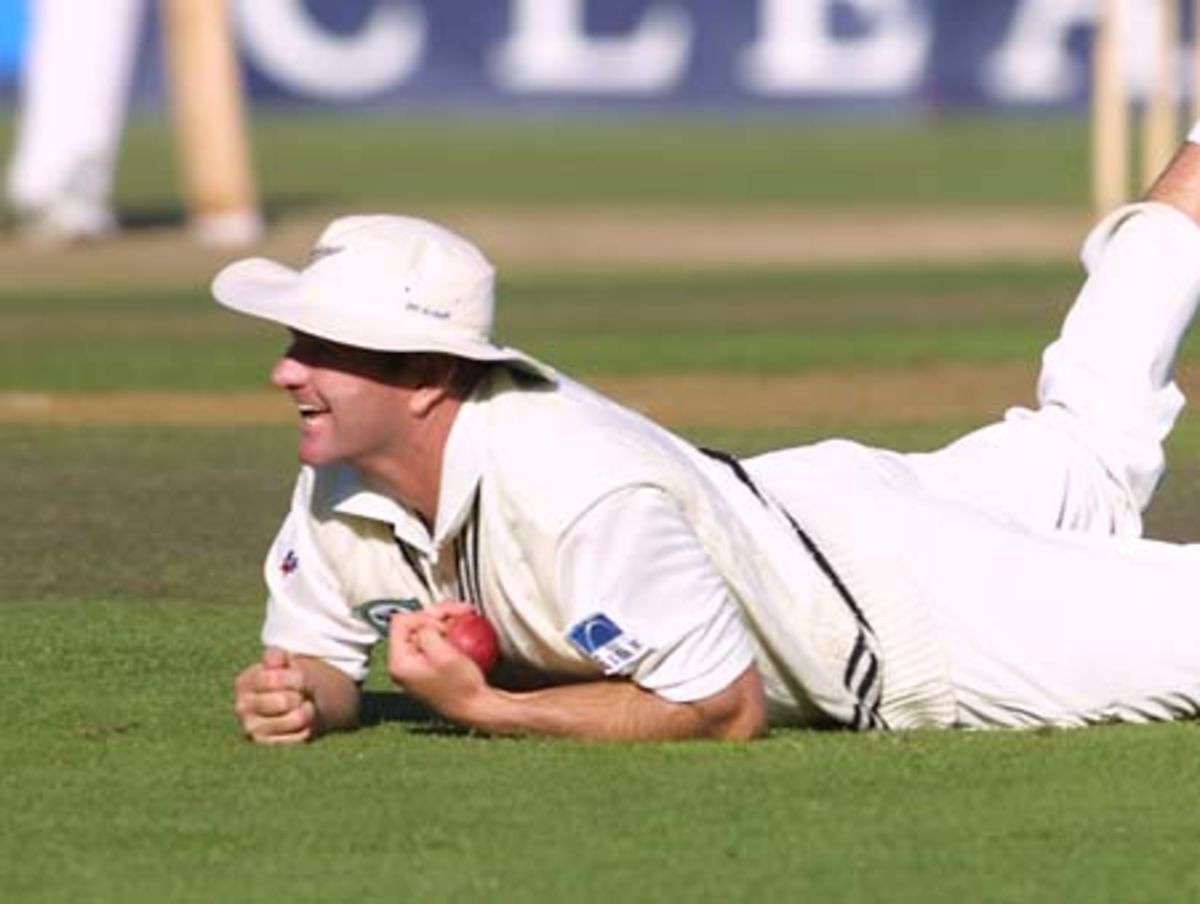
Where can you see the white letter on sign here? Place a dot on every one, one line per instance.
(549, 51)
(289, 47)
(797, 53)
(1032, 65)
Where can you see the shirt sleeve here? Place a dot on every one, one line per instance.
(645, 601)
(306, 610)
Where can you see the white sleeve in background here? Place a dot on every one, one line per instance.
(645, 601)
(306, 612)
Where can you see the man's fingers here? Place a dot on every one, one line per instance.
(434, 671)
(262, 676)
(435, 646)
(442, 655)
(258, 705)
(296, 724)
(246, 680)
(447, 609)
(416, 653)
(289, 679)
(276, 658)
(257, 679)
(277, 703)
(436, 616)
(272, 699)
(403, 654)
(406, 623)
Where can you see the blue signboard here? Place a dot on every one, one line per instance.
(12, 38)
(690, 54)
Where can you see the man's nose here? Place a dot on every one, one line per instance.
(287, 372)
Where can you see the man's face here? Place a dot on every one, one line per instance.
(350, 408)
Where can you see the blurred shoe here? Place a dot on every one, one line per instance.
(65, 221)
(227, 228)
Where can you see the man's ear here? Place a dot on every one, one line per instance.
(426, 398)
(434, 382)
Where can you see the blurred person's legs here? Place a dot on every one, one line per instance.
(74, 93)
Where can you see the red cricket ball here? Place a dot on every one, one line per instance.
(472, 634)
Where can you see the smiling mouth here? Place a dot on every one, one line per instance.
(310, 412)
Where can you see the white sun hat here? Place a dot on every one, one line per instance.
(381, 282)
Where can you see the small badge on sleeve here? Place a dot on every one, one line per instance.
(602, 640)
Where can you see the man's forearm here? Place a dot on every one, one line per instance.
(335, 696)
(620, 710)
(426, 665)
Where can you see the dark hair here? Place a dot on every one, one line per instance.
(460, 375)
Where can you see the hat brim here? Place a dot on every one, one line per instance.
(271, 291)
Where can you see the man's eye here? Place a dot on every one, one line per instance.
(322, 353)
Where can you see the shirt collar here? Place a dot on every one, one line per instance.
(350, 495)
(462, 468)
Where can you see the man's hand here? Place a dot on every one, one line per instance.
(428, 667)
(275, 700)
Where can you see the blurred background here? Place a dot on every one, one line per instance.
(886, 57)
(872, 205)
(891, 57)
(679, 102)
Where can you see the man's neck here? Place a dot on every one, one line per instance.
(413, 476)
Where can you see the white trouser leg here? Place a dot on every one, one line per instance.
(73, 96)
(1090, 457)
(1055, 628)
(1043, 616)
(1035, 626)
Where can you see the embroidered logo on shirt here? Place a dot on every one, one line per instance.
(290, 563)
(378, 613)
(600, 638)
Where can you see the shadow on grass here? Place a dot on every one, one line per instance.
(379, 708)
(146, 218)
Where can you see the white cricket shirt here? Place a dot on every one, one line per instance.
(632, 558)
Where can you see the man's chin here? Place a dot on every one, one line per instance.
(314, 456)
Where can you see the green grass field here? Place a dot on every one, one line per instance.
(761, 161)
(130, 554)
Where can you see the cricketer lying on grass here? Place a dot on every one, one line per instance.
(644, 588)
